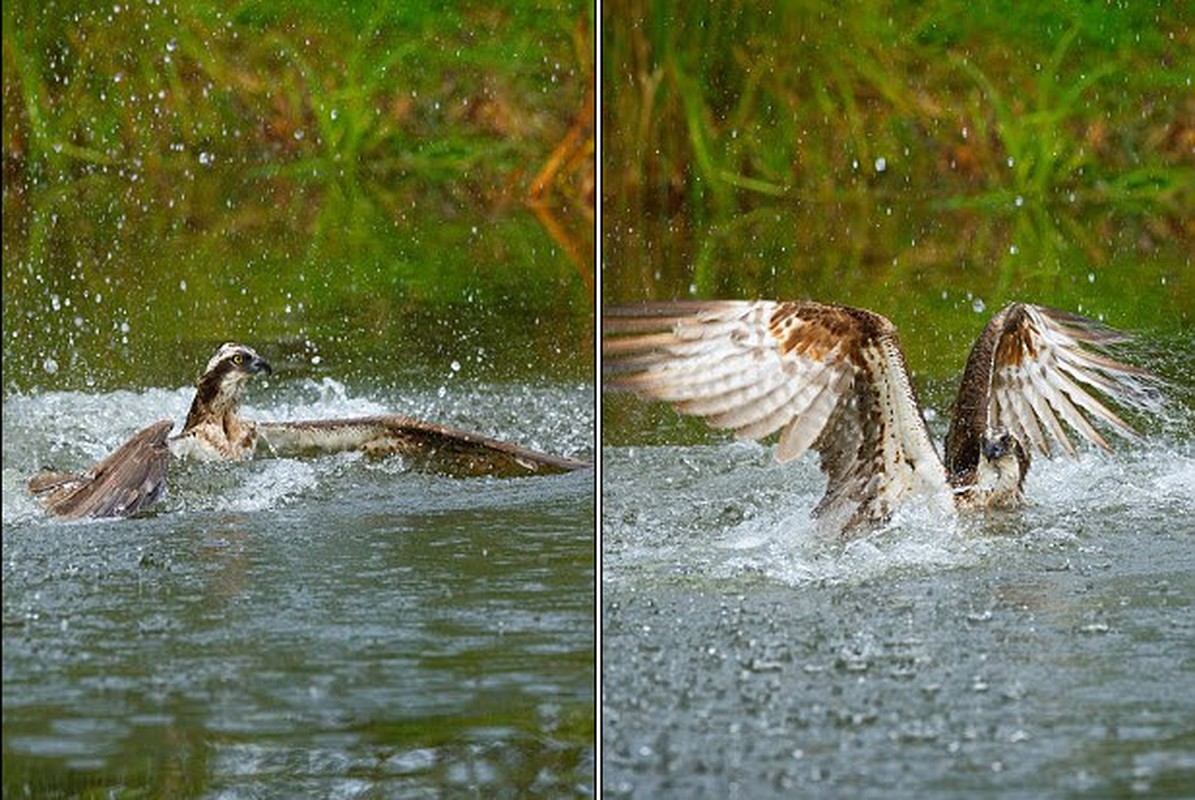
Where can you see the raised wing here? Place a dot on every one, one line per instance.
(1033, 369)
(830, 378)
(436, 447)
(127, 481)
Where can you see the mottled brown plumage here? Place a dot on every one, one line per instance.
(132, 478)
(833, 379)
(425, 444)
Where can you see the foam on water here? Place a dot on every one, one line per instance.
(727, 513)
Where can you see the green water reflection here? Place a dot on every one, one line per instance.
(103, 293)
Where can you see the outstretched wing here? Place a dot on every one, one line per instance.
(830, 378)
(436, 447)
(1034, 368)
(127, 481)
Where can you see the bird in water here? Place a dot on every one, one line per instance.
(134, 476)
(832, 379)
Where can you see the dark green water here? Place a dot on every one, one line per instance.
(304, 628)
(104, 290)
(394, 635)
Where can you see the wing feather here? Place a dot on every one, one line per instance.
(775, 395)
(793, 413)
(129, 480)
(1081, 399)
(1062, 353)
(738, 397)
(829, 378)
(1059, 408)
(807, 426)
(1013, 405)
(437, 447)
(1034, 371)
(1038, 395)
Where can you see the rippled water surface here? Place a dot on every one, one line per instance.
(1045, 652)
(285, 628)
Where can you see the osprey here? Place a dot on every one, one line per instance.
(833, 379)
(134, 476)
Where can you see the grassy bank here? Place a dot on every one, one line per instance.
(722, 106)
(465, 98)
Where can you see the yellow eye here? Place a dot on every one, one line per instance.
(238, 359)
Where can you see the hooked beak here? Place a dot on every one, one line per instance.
(259, 366)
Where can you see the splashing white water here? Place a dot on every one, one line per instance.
(69, 431)
(728, 513)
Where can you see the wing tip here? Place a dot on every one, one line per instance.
(106, 490)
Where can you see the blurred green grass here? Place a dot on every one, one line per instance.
(719, 107)
(453, 95)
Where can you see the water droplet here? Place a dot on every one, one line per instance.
(881, 164)
(50, 365)
(978, 306)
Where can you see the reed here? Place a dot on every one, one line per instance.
(466, 97)
(731, 105)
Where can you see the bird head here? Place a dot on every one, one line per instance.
(219, 389)
(1002, 450)
(233, 365)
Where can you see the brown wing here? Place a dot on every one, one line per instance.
(830, 378)
(436, 447)
(127, 481)
(1034, 368)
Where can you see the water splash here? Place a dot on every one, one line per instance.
(67, 431)
(729, 515)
